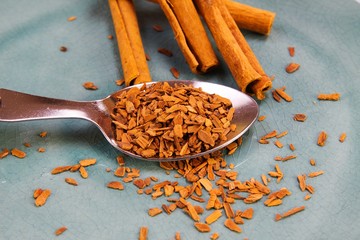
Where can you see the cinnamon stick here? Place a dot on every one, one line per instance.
(230, 45)
(251, 18)
(190, 34)
(264, 83)
(248, 17)
(132, 54)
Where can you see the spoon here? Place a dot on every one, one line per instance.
(17, 106)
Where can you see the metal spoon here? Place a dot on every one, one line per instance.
(17, 106)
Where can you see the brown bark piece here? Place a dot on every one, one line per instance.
(190, 34)
(42, 198)
(130, 45)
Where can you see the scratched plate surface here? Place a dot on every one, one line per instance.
(326, 37)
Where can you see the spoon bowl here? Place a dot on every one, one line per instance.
(17, 106)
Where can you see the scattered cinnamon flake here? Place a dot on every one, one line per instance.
(282, 134)
(192, 211)
(41, 149)
(87, 162)
(302, 182)
(71, 181)
(177, 236)
(232, 151)
(206, 184)
(37, 192)
(90, 86)
(300, 117)
(278, 144)
(329, 97)
(264, 179)
(291, 147)
(157, 28)
(322, 138)
(341, 138)
(154, 211)
(83, 172)
(175, 72)
(63, 49)
(169, 190)
(75, 168)
(128, 179)
(120, 172)
(291, 51)
(143, 233)
(147, 57)
(18, 153)
(27, 144)
(281, 92)
(273, 202)
(229, 212)
(196, 198)
(292, 67)
(148, 191)
(286, 158)
(156, 194)
(120, 160)
(115, 185)
(140, 183)
(43, 134)
(215, 215)
(247, 213)
(312, 162)
(307, 197)
(110, 37)
(42, 198)
(276, 96)
(269, 135)
(274, 174)
(315, 174)
(275, 198)
(60, 169)
(5, 152)
(72, 18)
(310, 189)
(232, 226)
(215, 236)
(277, 174)
(165, 51)
(154, 179)
(289, 213)
(238, 219)
(261, 118)
(166, 208)
(202, 227)
(263, 141)
(60, 230)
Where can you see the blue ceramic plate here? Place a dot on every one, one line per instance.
(326, 38)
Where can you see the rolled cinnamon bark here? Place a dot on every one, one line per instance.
(234, 56)
(251, 18)
(264, 83)
(190, 34)
(129, 41)
(248, 17)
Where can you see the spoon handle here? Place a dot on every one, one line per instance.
(17, 106)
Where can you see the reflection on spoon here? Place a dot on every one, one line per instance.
(16, 106)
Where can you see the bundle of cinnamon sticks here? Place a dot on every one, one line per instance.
(224, 19)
